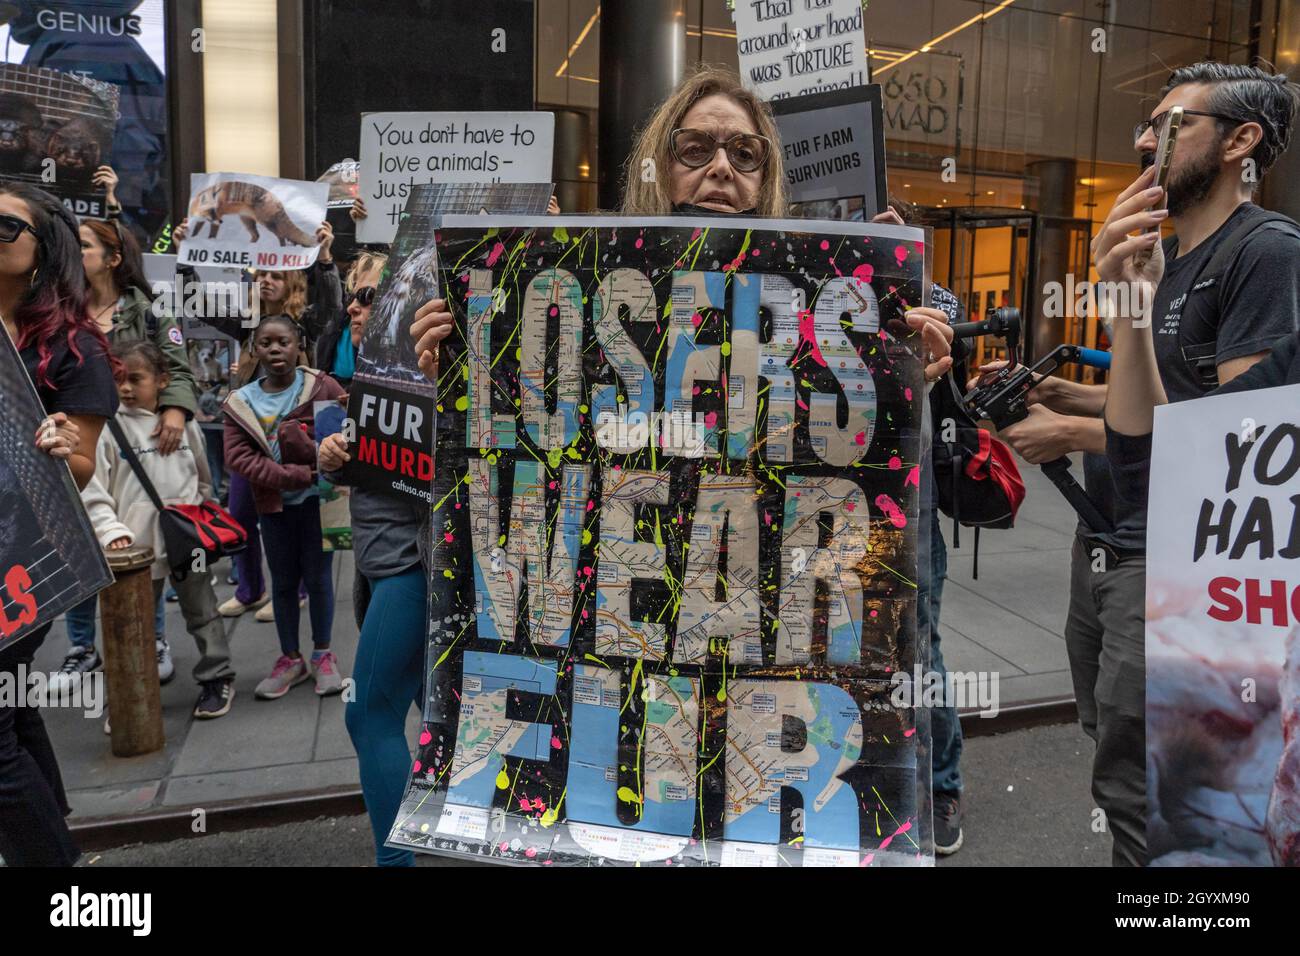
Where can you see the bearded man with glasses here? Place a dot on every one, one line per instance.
(1226, 287)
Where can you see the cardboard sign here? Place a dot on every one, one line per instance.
(1223, 631)
(834, 147)
(55, 131)
(402, 150)
(796, 47)
(252, 222)
(50, 559)
(674, 546)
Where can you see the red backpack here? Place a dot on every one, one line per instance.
(187, 530)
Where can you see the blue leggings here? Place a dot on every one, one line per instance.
(389, 675)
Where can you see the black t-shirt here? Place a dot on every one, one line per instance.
(77, 387)
(1258, 297)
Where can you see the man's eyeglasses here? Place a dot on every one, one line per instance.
(364, 297)
(1157, 122)
(695, 148)
(11, 227)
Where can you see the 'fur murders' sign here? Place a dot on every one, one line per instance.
(242, 221)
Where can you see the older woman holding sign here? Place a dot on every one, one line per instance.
(721, 153)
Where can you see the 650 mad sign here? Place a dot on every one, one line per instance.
(674, 546)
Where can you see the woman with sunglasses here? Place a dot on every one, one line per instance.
(336, 350)
(43, 304)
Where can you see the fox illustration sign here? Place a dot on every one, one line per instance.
(242, 221)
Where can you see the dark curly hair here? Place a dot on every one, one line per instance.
(1251, 95)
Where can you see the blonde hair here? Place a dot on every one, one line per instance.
(363, 263)
(295, 290)
(654, 198)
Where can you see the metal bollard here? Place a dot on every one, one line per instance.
(130, 655)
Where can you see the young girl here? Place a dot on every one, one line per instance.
(269, 443)
(122, 513)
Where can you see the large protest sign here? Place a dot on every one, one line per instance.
(674, 546)
(391, 403)
(834, 147)
(1223, 632)
(50, 558)
(402, 150)
(252, 222)
(795, 47)
(55, 131)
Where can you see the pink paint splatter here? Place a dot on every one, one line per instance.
(900, 253)
(425, 738)
(711, 420)
(903, 829)
(907, 393)
(639, 242)
(587, 570)
(825, 245)
(867, 859)
(913, 477)
(808, 333)
(416, 767)
(495, 254)
(908, 733)
(448, 536)
(555, 743)
(696, 319)
(532, 852)
(864, 272)
(891, 510)
(895, 463)
(860, 438)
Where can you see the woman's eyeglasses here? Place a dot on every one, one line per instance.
(695, 148)
(1157, 122)
(11, 227)
(364, 297)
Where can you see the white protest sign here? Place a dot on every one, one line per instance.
(248, 221)
(794, 47)
(1223, 628)
(401, 150)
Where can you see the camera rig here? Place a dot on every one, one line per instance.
(1002, 397)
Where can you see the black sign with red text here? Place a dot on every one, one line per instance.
(50, 558)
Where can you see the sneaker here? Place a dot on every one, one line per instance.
(326, 671)
(80, 661)
(171, 596)
(235, 607)
(265, 614)
(166, 669)
(214, 698)
(286, 673)
(947, 823)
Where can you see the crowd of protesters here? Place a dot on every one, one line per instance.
(75, 301)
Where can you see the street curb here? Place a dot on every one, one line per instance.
(161, 826)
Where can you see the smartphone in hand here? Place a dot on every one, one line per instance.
(1164, 160)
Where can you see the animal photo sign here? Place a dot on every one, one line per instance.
(1223, 632)
(252, 222)
(50, 558)
(674, 546)
(56, 129)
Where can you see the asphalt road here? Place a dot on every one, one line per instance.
(1027, 803)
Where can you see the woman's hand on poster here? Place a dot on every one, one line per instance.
(553, 206)
(106, 177)
(180, 231)
(432, 324)
(325, 239)
(889, 217)
(119, 544)
(58, 436)
(333, 453)
(169, 431)
(358, 210)
(936, 338)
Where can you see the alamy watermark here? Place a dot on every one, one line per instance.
(24, 688)
(1107, 300)
(197, 299)
(960, 689)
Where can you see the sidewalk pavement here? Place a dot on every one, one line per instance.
(1009, 621)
